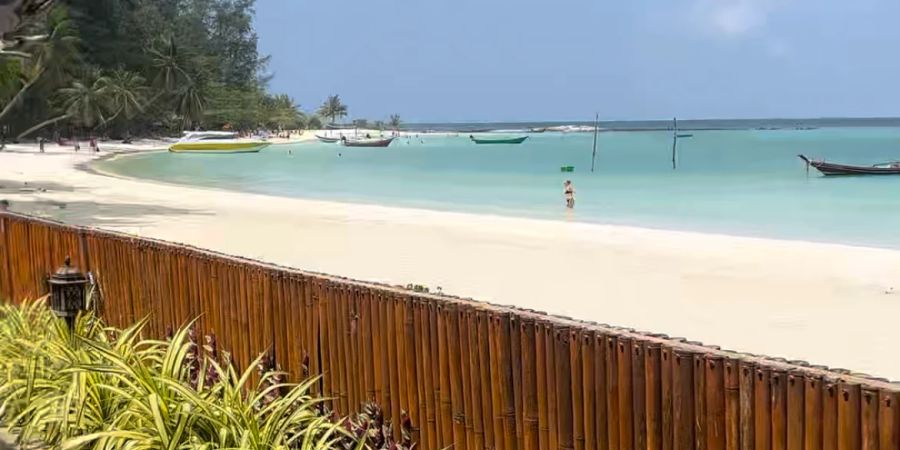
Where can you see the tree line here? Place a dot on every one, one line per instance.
(145, 67)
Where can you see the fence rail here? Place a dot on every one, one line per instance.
(468, 374)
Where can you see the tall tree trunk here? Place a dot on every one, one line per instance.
(20, 95)
(42, 125)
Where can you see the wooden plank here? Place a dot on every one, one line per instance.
(564, 389)
(639, 394)
(849, 423)
(683, 400)
(715, 403)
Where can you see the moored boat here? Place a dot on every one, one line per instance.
(327, 139)
(216, 142)
(367, 142)
(830, 169)
(498, 140)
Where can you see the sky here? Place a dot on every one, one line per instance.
(530, 60)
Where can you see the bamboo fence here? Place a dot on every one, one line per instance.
(467, 374)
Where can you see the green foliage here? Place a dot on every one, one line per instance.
(103, 388)
(165, 62)
(395, 121)
(314, 123)
(279, 112)
(333, 108)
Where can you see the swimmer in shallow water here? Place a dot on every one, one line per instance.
(569, 191)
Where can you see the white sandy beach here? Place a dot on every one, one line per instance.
(828, 304)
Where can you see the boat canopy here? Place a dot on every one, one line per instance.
(207, 135)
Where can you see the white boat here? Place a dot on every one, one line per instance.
(217, 142)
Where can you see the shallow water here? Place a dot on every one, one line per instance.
(735, 182)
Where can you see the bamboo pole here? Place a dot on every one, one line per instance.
(437, 403)
(577, 388)
(812, 413)
(795, 410)
(477, 381)
(626, 397)
(496, 381)
(683, 400)
(342, 360)
(399, 354)
(465, 353)
(715, 425)
(888, 420)
(329, 351)
(639, 394)
(700, 402)
(456, 385)
(848, 416)
(779, 409)
(600, 372)
(667, 365)
(484, 366)
(540, 363)
(506, 379)
(653, 393)
(830, 396)
(368, 336)
(869, 406)
(589, 389)
(552, 373)
(762, 407)
(747, 405)
(446, 414)
(732, 404)
(429, 424)
(612, 391)
(564, 389)
(515, 349)
(355, 371)
(529, 386)
(411, 358)
(393, 372)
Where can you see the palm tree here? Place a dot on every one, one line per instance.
(333, 108)
(169, 65)
(281, 111)
(84, 103)
(395, 121)
(50, 60)
(126, 93)
(190, 104)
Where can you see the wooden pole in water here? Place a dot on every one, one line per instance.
(594, 153)
(674, 142)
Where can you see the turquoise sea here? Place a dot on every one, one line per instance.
(740, 182)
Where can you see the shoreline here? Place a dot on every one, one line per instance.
(90, 167)
(829, 304)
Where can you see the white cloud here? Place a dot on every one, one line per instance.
(734, 17)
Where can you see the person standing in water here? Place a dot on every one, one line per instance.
(569, 191)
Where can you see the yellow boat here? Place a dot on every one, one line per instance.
(216, 142)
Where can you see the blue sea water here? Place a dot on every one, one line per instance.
(740, 182)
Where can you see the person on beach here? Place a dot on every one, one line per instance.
(41, 143)
(569, 191)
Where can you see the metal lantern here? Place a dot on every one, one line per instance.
(67, 292)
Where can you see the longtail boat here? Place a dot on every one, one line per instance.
(829, 169)
(499, 140)
(327, 140)
(368, 142)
